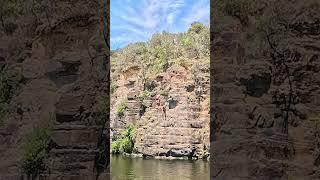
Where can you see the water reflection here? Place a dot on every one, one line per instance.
(125, 168)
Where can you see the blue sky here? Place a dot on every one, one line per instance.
(136, 20)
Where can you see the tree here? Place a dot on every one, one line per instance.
(8, 8)
(196, 27)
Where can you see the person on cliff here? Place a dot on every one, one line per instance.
(164, 111)
(159, 107)
(157, 100)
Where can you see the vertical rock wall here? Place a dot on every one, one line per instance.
(60, 53)
(263, 101)
(183, 131)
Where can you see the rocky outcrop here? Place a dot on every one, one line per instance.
(264, 96)
(181, 132)
(59, 51)
(177, 125)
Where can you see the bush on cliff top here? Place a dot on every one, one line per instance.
(125, 143)
(36, 151)
(163, 49)
(196, 27)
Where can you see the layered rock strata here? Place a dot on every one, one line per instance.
(265, 98)
(183, 129)
(58, 49)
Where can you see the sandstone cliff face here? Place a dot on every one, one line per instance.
(265, 90)
(183, 130)
(58, 50)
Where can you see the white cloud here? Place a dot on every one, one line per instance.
(133, 21)
(170, 18)
(199, 12)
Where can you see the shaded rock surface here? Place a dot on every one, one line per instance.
(264, 97)
(60, 53)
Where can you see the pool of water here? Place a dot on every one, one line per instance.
(126, 168)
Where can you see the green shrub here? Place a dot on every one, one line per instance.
(129, 132)
(240, 9)
(165, 93)
(10, 8)
(36, 151)
(196, 27)
(314, 119)
(113, 88)
(185, 40)
(197, 39)
(125, 143)
(184, 62)
(8, 85)
(3, 112)
(160, 50)
(144, 95)
(115, 147)
(122, 145)
(161, 59)
(121, 108)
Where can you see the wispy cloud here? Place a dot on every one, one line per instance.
(199, 12)
(137, 20)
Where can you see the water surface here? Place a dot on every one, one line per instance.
(126, 168)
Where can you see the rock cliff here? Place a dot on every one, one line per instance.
(57, 50)
(265, 95)
(170, 107)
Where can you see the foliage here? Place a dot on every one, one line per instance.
(237, 8)
(36, 151)
(200, 38)
(185, 41)
(165, 93)
(144, 95)
(315, 119)
(129, 132)
(184, 62)
(121, 108)
(9, 8)
(161, 56)
(150, 85)
(113, 88)
(162, 50)
(8, 85)
(3, 112)
(115, 147)
(132, 51)
(125, 143)
(196, 27)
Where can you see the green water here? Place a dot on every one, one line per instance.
(125, 168)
